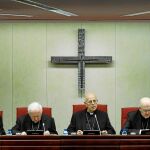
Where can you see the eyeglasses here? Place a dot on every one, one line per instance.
(94, 101)
(145, 110)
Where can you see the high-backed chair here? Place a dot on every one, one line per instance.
(124, 112)
(20, 111)
(1, 114)
(79, 107)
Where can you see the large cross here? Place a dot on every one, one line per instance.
(81, 60)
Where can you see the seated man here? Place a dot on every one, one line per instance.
(2, 131)
(90, 118)
(139, 119)
(34, 120)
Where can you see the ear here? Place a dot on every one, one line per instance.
(85, 104)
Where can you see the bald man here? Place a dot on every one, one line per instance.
(90, 118)
(139, 119)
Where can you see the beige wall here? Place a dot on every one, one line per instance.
(27, 74)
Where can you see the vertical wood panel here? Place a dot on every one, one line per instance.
(29, 64)
(133, 64)
(6, 73)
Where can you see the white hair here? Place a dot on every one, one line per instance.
(145, 101)
(35, 106)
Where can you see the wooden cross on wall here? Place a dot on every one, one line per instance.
(81, 60)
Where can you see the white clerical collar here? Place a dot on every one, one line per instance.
(91, 113)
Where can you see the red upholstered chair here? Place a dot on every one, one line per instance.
(1, 114)
(20, 111)
(79, 107)
(124, 112)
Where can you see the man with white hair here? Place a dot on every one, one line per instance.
(34, 120)
(139, 119)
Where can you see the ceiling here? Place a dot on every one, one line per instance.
(93, 10)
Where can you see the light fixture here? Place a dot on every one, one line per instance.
(16, 15)
(137, 14)
(45, 7)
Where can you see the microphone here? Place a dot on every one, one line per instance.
(97, 124)
(44, 127)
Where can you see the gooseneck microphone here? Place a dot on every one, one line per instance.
(44, 127)
(97, 124)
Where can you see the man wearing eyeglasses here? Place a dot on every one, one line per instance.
(139, 119)
(90, 118)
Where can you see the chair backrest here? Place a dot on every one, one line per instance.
(79, 107)
(20, 111)
(124, 112)
(1, 114)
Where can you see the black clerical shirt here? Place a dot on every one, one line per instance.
(36, 126)
(91, 121)
(145, 122)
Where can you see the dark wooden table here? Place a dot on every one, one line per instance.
(111, 142)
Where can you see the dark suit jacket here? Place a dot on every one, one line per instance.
(24, 123)
(2, 131)
(79, 121)
(133, 122)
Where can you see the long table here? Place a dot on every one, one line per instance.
(107, 142)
